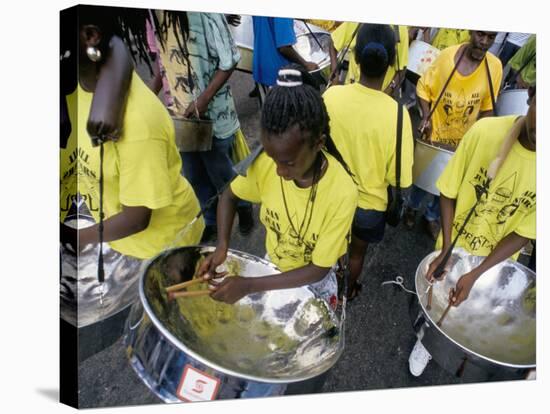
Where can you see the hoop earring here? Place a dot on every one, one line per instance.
(94, 54)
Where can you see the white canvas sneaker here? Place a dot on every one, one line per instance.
(419, 358)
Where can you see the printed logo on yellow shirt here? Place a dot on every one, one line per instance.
(459, 115)
(289, 245)
(496, 206)
(78, 166)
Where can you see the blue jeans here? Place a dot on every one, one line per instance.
(208, 172)
(416, 197)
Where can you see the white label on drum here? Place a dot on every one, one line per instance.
(196, 385)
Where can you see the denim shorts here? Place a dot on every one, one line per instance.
(369, 225)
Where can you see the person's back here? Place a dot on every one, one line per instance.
(270, 33)
(346, 34)
(363, 123)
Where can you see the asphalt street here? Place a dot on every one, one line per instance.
(379, 334)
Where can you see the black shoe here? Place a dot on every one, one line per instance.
(246, 221)
(210, 234)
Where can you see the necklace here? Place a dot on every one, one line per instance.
(308, 214)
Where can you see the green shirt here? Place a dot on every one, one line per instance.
(527, 51)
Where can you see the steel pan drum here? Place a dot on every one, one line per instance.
(429, 163)
(421, 56)
(266, 339)
(495, 327)
(512, 102)
(80, 289)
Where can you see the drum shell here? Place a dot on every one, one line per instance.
(448, 351)
(429, 163)
(160, 352)
(82, 316)
(421, 56)
(512, 102)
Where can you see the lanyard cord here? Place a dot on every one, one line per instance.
(100, 268)
(310, 202)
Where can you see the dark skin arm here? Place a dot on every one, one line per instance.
(110, 92)
(129, 221)
(218, 80)
(508, 246)
(425, 127)
(396, 82)
(448, 206)
(289, 53)
(231, 289)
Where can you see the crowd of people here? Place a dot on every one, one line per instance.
(337, 157)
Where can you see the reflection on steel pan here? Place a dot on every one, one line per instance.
(275, 337)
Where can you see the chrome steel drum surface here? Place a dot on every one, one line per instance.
(79, 286)
(279, 336)
(421, 56)
(512, 102)
(429, 163)
(307, 46)
(498, 320)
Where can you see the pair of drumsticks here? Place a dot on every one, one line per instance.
(176, 291)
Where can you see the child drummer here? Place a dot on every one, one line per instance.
(307, 197)
(505, 217)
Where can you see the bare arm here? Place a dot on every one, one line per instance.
(503, 250)
(291, 54)
(425, 127)
(448, 206)
(110, 92)
(129, 221)
(218, 80)
(234, 288)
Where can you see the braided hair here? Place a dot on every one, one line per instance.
(375, 49)
(130, 25)
(296, 101)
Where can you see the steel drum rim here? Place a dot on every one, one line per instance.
(435, 147)
(463, 348)
(179, 345)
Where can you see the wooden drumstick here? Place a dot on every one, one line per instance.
(183, 285)
(430, 294)
(440, 321)
(187, 294)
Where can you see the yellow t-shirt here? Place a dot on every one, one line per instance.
(141, 169)
(510, 205)
(450, 37)
(464, 98)
(341, 38)
(326, 238)
(363, 125)
(328, 25)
